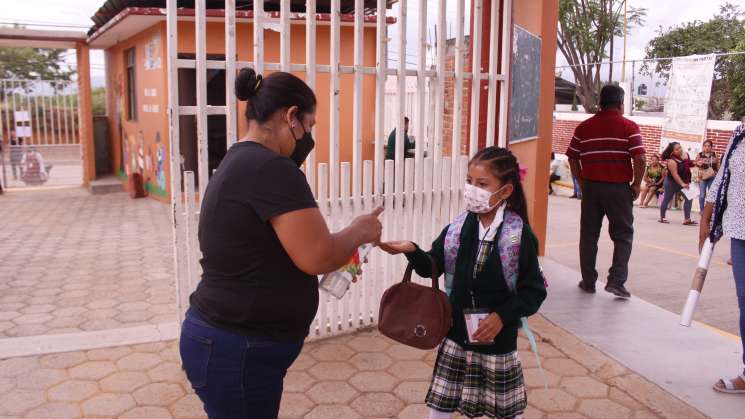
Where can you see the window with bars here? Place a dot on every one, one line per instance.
(129, 56)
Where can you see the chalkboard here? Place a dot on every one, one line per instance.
(525, 85)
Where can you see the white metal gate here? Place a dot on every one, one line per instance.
(420, 194)
(39, 122)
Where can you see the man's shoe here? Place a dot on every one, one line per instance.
(590, 289)
(618, 290)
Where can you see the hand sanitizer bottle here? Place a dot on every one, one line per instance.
(338, 282)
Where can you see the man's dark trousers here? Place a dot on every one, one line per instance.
(613, 200)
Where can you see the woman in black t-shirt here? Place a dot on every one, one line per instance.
(263, 242)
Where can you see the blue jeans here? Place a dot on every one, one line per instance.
(235, 376)
(738, 269)
(703, 186)
(671, 188)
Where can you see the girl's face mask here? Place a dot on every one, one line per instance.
(477, 199)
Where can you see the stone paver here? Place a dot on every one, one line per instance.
(145, 381)
(76, 262)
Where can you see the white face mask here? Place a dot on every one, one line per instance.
(477, 199)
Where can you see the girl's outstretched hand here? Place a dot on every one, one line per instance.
(397, 247)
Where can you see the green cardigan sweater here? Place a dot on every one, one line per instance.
(490, 288)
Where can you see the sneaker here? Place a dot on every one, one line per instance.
(618, 290)
(590, 289)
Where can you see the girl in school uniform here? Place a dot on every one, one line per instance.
(490, 258)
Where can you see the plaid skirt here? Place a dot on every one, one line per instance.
(476, 384)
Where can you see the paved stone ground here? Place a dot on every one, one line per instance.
(353, 376)
(74, 262)
(662, 262)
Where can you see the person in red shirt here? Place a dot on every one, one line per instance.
(600, 156)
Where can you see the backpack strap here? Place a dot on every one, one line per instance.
(452, 243)
(509, 254)
(509, 247)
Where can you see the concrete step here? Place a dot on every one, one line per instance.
(106, 185)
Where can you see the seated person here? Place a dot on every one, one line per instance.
(653, 178)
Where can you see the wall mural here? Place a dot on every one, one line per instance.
(132, 145)
(160, 174)
(152, 52)
(141, 153)
(125, 153)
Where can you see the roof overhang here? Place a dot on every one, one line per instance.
(134, 20)
(35, 38)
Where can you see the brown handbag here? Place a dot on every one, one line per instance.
(415, 315)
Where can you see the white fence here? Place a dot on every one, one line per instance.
(42, 114)
(420, 194)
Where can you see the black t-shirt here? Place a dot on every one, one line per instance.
(250, 285)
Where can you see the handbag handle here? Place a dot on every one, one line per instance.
(435, 274)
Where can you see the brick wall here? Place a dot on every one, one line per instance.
(651, 134)
(447, 135)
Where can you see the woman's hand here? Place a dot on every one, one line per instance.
(398, 247)
(488, 329)
(703, 230)
(368, 226)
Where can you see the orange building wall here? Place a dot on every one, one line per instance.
(148, 125)
(148, 134)
(244, 48)
(540, 18)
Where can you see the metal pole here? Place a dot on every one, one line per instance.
(59, 116)
(633, 75)
(285, 34)
(200, 33)
(625, 36)
(381, 65)
(259, 37)
(506, 61)
(175, 156)
(310, 79)
(357, 122)
(334, 101)
(401, 103)
(476, 81)
(230, 57)
(36, 113)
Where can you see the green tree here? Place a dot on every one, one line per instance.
(586, 28)
(724, 33)
(738, 83)
(33, 63)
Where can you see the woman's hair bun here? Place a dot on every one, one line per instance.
(247, 83)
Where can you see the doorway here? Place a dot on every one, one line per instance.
(216, 124)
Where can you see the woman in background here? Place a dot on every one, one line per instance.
(653, 178)
(678, 178)
(708, 166)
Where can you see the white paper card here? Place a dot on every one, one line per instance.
(472, 323)
(691, 192)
